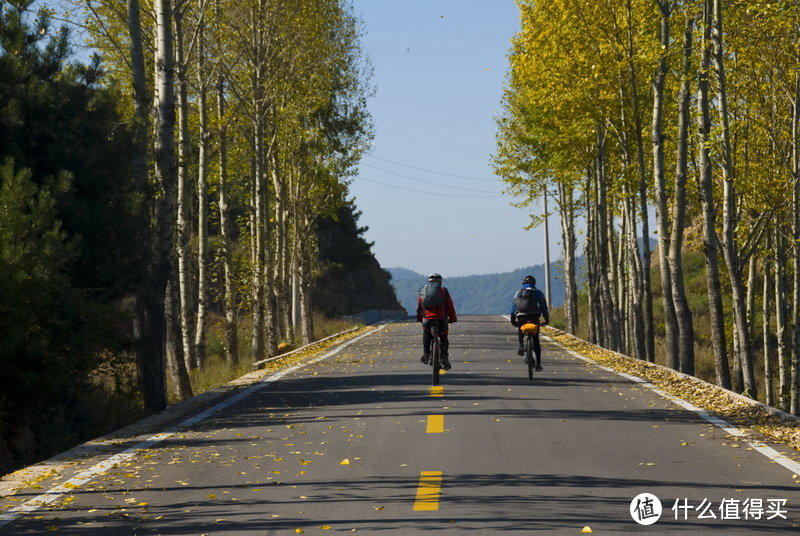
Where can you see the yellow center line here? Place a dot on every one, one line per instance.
(429, 490)
(437, 390)
(435, 424)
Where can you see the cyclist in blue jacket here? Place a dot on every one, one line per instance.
(529, 303)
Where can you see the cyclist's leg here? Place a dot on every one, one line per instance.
(521, 319)
(537, 350)
(426, 340)
(445, 342)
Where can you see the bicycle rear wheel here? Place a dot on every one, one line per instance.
(529, 358)
(436, 355)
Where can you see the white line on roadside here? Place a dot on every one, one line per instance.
(83, 477)
(758, 446)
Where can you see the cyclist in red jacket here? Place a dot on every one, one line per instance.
(434, 304)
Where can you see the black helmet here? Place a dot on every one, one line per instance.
(529, 280)
(435, 277)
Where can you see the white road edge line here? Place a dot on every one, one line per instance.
(758, 446)
(83, 477)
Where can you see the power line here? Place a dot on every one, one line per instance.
(432, 171)
(428, 182)
(426, 193)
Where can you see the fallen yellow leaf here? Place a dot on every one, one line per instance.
(344, 462)
(587, 530)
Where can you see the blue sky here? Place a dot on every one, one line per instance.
(440, 68)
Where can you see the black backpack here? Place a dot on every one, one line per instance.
(526, 302)
(431, 295)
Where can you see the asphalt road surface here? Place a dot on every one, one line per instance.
(359, 442)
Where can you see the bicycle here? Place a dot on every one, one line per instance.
(435, 353)
(530, 329)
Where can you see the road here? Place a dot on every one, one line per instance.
(359, 442)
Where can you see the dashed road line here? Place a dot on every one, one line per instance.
(428, 491)
(435, 424)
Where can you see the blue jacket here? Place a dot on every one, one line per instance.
(540, 301)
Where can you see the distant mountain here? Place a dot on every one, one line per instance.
(477, 294)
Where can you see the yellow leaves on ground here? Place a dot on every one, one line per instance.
(586, 530)
(345, 462)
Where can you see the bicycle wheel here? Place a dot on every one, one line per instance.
(436, 355)
(529, 357)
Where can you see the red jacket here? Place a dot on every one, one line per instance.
(445, 311)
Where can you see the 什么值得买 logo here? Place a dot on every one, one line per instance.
(645, 509)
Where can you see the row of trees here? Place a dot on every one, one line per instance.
(198, 172)
(689, 109)
(249, 116)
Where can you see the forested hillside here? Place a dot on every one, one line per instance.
(352, 280)
(617, 111)
(476, 294)
(169, 206)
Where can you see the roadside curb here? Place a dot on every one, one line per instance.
(134, 433)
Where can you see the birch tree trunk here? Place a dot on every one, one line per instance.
(683, 313)
(183, 227)
(141, 98)
(149, 319)
(304, 276)
(767, 328)
(152, 321)
(609, 320)
(593, 284)
(782, 329)
(730, 249)
(709, 211)
(662, 217)
(176, 364)
(567, 211)
(258, 192)
(259, 257)
(646, 301)
(226, 237)
(794, 396)
(202, 198)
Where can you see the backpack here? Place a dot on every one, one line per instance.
(431, 295)
(526, 302)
